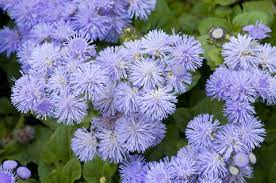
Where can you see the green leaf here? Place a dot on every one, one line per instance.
(225, 2)
(71, 171)
(96, 169)
(252, 17)
(212, 107)
(207, 23)
(196, 78)
(57, 149)
(265, 6)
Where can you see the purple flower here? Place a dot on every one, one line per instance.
(228, 141)
(183, 169)
(138, 133)
(24, 53)
(257, 31)
(111, 60)
(178, 78)
(238, 112)
(252, 133)
(23, 172)
(41, 32)
(140, 8)
(186, 51)
(211, 164)
(241, 160)
(9, 40)
(45, 58)
(217, 85)
(69, 109)
(147, 73)
(159, 172)
(84, 144)
(26, 92)
(109, 147)
(201, 130)
(7, 176)
(133, 169)
(89, 80)
(9, 164)
(126, 98)
(157, 104)
(266, 56)
(240, 52)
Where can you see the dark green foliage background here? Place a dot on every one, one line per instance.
(49, 155)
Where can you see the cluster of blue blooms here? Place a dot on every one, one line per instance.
(10, 172)
(215, 153)
(40, 20)
(134, 86)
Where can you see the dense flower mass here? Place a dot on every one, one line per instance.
(133, 86)
(215, 153)
(100, 19)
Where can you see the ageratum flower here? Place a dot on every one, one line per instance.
(211, 164)
(140, 8)
(111, 60)
(133, 169)
(159, 172)
(84, 144)
(126, 98)
(238, 112)
(240, 52)
(89, 80)
(157, 104)
(9, 40)
(251, 132)
(155, 43)
(89, 21)
(239, 176)
(137, 133)
(147, 73)
(209, 179)
(9, 164)
(187, 52)
(183, 169)
(257, 31)
(266, 56)
(45, 58)
(41, 32)
(24, 54)
(26, 92)
(201, 131)
(7, 176)
(228, 141)
(217, 85)
(69, 109)
(109, 147)
(23, 172)
(179, 78)
(241, 160)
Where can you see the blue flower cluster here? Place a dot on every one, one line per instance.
(8, 173)
(246, 76)
(100, 19)
(134, 86)
(215, 153)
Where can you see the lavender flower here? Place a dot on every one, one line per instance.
(257, 31)
(9, 40)
(201, 130)
(140, 8)
(157, 104)
(240, 52)
(69, 109)
(84, 144)
(23, 172)
(133, 169)
(147, 73)
(109, 147)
